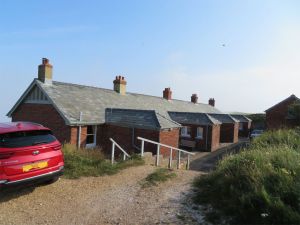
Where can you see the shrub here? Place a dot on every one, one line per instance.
(83, 162)
(284, 137)
(257, 186)
(159, 176)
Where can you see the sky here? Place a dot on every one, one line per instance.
(243, 53)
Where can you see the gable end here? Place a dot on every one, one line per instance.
(36, 96)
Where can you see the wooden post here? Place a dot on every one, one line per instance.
(188, 162)
(170, 159)
(113, 153)
(178, 160)
(142, 149)
(157, 155)
(124, 157)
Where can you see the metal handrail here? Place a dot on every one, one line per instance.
(168, 146)
(171, 152)
(114, 143)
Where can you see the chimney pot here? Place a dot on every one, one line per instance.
(120, 85)
(194, 98)
(45, 61)
(212, 102)
(167, 94)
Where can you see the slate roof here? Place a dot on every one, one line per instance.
(292, 97)
(224, 118)
(145, 119)
(71, 99)
(241, 118)
(193, 118)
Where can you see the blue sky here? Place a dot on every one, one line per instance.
(156, 44)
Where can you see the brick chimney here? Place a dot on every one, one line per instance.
(120, 85)
(212, 102)
(45, 71)
(167, 94)
(194, 98)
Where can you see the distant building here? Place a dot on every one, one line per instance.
(88, 116)
(278, 115)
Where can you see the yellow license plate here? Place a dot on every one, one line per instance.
(39, 165)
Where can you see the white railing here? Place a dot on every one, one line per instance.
(114, 144)
(143, 140)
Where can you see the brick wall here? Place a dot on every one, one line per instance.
(229, 133)
(236, 133)
(169, 137)
(212, 133)
(123, 136)
(74, 135)
(215, 137)
(276, 117)
(46, 115)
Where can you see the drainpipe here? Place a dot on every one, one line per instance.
(79, 131)
(132, 140)
(206, 137)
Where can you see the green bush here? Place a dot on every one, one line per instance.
(158, 176)
(256, 186)
(83, 163)
(284, 137)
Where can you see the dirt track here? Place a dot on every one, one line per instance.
(117, 199)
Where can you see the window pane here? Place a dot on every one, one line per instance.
(26, 138)
(241, 126)
(199, 132)
(188, 131)
(90, 130)
(183, 131)
(90, 139)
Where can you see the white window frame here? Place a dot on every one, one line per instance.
(92, 145)
(184, 131)
(199, 135)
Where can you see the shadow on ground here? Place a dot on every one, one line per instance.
(13, 192)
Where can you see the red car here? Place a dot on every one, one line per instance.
(28, 153)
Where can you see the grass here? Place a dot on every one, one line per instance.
(257, 186)
(280, 138)
(158, 176)
(91, 163)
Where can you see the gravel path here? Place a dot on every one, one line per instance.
(117, 199)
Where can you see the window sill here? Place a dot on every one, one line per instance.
(93, 145)
(185, 136)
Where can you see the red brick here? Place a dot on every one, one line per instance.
(276, 116)
(46, 115)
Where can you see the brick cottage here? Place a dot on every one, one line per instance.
(88, 116)
(278, 116)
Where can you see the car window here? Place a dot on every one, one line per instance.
(26, 138)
